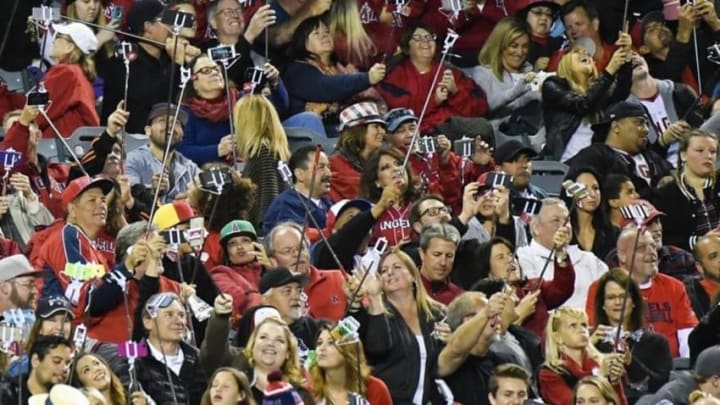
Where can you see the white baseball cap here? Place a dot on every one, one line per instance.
(81, 34)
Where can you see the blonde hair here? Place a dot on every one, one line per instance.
(425, 304)
(291, 367)
(606, 390)
(86, 63)
(505, 32)
(565, 71)
(109, 46)
(345, 18)
(354, 360)
(553, 350)
(257, 124)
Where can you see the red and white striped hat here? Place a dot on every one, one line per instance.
(365, 112)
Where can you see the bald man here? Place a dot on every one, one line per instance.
(669, 311)
(707, 263)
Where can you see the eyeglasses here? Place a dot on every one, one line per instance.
(538, 12)
(208, 69)
(424, 37)
(27, 284)
(231, 12)
(435, 211)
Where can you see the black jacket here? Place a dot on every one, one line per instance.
(650, 366)
(189, 385)
(398, 364)
(564, 110)
(149, 83)
(680, 222)
(13, 391)
(705, 334)
(605, 160)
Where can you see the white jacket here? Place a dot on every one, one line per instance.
(588, 268)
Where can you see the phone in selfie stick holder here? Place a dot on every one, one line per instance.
(463, 147)
(255, 77)
(132, 351)
(346, 331)
(10, 158)
(714, 54)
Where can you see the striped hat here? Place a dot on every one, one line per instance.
(169, 215)
(362, 113)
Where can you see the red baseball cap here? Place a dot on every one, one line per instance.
(82, 184)
(652, 213)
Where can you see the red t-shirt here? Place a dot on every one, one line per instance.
(668, 308)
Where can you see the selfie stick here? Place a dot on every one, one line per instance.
(638, 214)
(287, 177)
(576, 191)
(63, 141)
(399, 4)
(450, 39)
(106, 28)
(184, 77)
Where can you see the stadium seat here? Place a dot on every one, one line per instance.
(548, 175)
(134, 141)
(79, 143)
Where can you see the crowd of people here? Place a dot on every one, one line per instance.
(417, 261)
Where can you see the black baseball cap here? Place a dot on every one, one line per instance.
(279, 277)
(161, 109)
(617, 111)
(49, 306)
(508, 151)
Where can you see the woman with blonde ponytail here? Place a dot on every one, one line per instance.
(69, 81)
(353, 45)
(691, 201)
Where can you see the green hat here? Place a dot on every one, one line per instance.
(237, 227)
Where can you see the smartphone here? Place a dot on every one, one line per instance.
(529, 206)
(38, 98)
(426, 145)
(177, 18)
(464, 147)
(498, 179)
(256, 75)
(126, 49)
(455, 5)
(116, 13)
(174, 237)
(46, 13)
(213, 180)
(222, 53)
(9, 158)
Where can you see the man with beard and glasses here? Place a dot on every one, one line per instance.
(671, 108)
(513, 158)
(17, 283)
(668, 306)
(311, 173)
(620, 146)
(50, 358)
(144, 165)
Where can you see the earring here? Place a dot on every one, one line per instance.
(377, 184)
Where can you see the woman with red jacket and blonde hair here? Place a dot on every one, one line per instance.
(570, 356)
(69, 82)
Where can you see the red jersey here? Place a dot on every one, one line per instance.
(394, 225)
(345, 178)
(668, 308)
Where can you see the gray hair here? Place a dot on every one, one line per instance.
(441, 231)
(462, 306)
(212, 10)
(128, 236)
(545, 203)
(269, 240)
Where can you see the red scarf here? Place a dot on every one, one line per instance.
(215, 110)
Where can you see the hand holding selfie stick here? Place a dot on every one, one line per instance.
(226, 55)
(396, 15)
(637, 213)
(43, 93)
(287, 177)
(466, 151)
(450, 39)
(578, 192)
(380, 247)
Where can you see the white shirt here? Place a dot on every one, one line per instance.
(660, 121)
(588, 268)
(581, 139)
(418, 397)
(174, 361)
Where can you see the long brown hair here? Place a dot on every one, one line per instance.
(354, 360)
(117, 390)
(368, 182)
